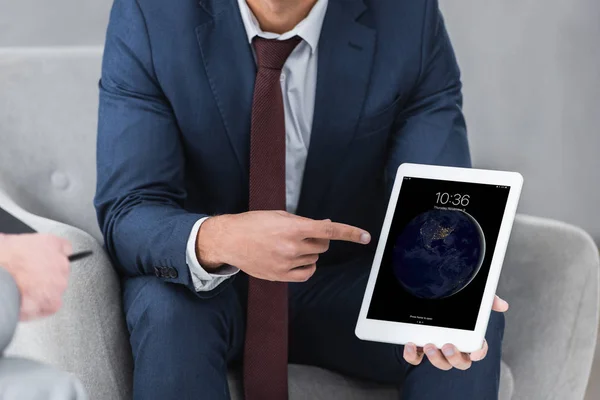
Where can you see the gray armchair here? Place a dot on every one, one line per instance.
(47, 134)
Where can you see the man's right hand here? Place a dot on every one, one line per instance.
(270, 245)
(39, 265)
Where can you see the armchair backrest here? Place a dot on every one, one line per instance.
(48, 118)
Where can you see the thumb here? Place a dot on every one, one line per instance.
(499, 305)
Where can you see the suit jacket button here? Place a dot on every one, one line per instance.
(173, 273)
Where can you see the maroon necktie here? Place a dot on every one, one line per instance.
(266, 347)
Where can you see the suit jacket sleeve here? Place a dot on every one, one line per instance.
(10, 302)
(431, 127)
(140, 158)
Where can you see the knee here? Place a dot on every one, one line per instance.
(174, 330)
(67, 386)
(27, 379)
(9, 313)
(164, 310)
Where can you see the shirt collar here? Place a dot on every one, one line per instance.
(309, 29)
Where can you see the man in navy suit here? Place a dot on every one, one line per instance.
(231, 134)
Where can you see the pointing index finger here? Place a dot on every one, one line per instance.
(336, 231)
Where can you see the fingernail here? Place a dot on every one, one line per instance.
(410, 348)
(430, 351)
(448, 351)
(365, 238)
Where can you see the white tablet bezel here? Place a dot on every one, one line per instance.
(464, 340)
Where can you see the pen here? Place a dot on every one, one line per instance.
(80, 256)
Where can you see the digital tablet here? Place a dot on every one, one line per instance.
(438, 261)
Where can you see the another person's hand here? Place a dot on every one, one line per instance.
(449, 357)
(39, 265)
(270, 245)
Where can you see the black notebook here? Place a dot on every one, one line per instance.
(13, 225)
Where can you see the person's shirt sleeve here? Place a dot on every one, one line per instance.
(202, 280)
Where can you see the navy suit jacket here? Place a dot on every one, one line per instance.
(174, 120)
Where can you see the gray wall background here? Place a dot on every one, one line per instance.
(53, 22)
(531, 72)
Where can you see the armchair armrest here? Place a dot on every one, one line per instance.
(550, 279)
(88, 335)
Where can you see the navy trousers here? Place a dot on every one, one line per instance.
(183, 345)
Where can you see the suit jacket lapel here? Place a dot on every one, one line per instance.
(231, 71)
(346, 50)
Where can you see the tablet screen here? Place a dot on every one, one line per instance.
(438, 253)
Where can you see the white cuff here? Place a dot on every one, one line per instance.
(204, 281)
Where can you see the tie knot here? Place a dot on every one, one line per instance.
(272, 53)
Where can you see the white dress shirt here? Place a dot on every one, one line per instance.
(298, 85)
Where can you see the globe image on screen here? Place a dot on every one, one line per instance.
(438, 253)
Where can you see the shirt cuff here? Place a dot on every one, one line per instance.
(204, 281)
